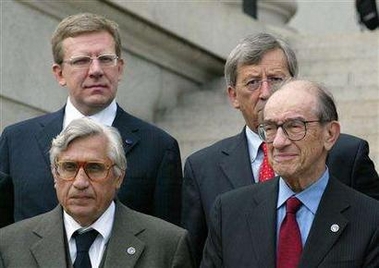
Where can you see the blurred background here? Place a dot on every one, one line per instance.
(175, 52)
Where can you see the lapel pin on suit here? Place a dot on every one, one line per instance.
(334, 228)
(131, 250)
(128, 141)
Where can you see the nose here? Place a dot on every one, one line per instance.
(265, 90)
(280, 139)
(95, 69)
(81, 180)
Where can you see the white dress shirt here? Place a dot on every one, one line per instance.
(105, 116)
(256, 155)
(103, 225)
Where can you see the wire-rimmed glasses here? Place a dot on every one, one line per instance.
(82, 62)
(294, 129)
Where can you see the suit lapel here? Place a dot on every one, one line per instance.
(128, 127)
(50, 249)
(124, 248)
(235, 162)
(328, 225)
(261, 222)
(51, 126)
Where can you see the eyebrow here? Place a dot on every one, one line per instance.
(271, 121)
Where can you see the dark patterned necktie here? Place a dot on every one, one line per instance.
(83, 243)
(265, 171)
(290, 246)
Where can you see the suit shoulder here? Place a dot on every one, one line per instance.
(19, 230)
(29, 124)
(160, 227)
(145, 126)
(240, 197)
(362, 204)
(348, 140)
(212, 150)
(362, 201)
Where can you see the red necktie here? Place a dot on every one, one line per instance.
(265, 172)
(290, 246)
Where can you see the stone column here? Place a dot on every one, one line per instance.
(273, 12)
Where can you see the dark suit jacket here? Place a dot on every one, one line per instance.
(225, 166)
(153, 177)
(243, 229)
(40, 242)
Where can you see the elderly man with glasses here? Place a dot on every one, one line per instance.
(90, 227)
(304, 217)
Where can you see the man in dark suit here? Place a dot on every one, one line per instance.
(87, 56)
(330, 225)
(88, 166)
(254, 69)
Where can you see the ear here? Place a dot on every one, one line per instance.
(232, 94)
(54, 172)
(58, 73)
(332, 132)
(120, 179)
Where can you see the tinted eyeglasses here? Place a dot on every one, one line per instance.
(96, 171)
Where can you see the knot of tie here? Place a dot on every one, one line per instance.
(264, 149)
(292, 205)
(83, 243)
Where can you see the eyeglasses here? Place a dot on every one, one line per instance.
(294, 129)
(96, 171)
(273, 82)
(82, 62)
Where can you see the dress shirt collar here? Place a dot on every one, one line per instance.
(253, 143)
(105, 116)
(310, 197)
(103, 224)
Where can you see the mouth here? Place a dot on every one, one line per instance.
(81, 197)
(283, 157)
(96, 87)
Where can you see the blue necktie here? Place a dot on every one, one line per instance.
(83, 243)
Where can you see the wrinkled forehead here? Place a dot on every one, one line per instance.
(292, 100)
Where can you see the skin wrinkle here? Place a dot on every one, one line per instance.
(81, 198)
(300, 163)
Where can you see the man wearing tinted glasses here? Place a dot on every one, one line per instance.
(255, 68)
(88, 62)
(88, 165)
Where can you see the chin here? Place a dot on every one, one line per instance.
(283, 170)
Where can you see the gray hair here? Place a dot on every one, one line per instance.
(85, 127)
(79, 24)
(251, 49)
(327, 110)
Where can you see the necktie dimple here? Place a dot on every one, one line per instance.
(265, 171)
(290, 246)
(83, 243)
